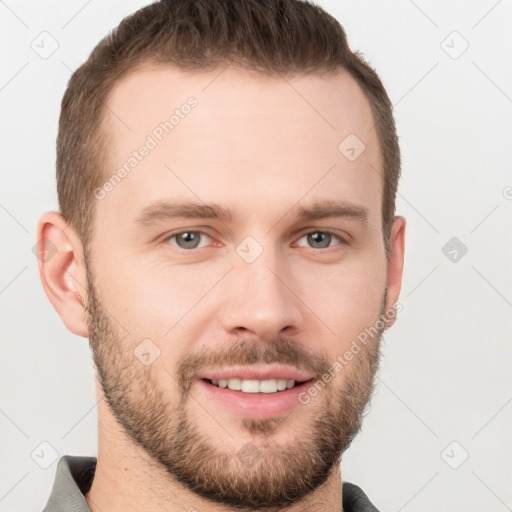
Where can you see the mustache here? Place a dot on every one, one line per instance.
(249, 352)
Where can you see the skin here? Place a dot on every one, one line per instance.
(261, 147)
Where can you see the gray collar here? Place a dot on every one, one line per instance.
(72, 481)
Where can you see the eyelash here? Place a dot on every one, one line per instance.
(325, 231)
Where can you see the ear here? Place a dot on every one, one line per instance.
(395, 265)
(62, 270)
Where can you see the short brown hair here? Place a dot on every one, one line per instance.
(271, 36)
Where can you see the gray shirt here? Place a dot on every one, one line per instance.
(74, 478)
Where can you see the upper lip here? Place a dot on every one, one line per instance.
(257, 373)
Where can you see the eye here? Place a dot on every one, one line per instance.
(187, 239)
(321, 239)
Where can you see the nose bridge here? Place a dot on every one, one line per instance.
(258, 300)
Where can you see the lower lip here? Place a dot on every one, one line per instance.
(256, 405)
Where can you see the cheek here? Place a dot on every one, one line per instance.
(347, 298)
(153, 299)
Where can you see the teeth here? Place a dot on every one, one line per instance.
(255, 386)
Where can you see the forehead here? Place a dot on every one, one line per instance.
(238, 137)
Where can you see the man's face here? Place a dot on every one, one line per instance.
(177, 301)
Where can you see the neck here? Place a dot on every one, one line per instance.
(128, 479)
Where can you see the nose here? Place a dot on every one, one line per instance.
(260, 300)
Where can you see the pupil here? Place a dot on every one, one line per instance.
(189, 239)
(322, 238)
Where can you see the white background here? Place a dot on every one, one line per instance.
(446, 369)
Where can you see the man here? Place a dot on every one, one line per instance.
(226, 172)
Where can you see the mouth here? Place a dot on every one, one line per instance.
(266, 386)
(252, 398)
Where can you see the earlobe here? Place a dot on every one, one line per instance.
(395, 265)
(62, 270)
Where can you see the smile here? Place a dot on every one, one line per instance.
(254, 398)
(255, 386)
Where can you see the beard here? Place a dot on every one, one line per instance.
(262, 474)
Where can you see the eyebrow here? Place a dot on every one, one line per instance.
(330, 208)
(164, 210)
